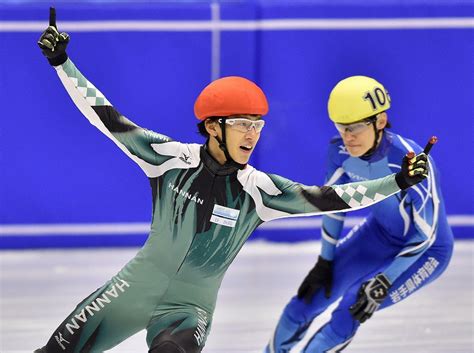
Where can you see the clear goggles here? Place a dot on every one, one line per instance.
(244, 125)
(355, 128)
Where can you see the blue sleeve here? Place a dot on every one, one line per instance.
(424, 201)
(332, 224)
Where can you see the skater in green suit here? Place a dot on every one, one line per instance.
(206, 202)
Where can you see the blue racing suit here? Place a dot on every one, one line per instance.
(406, 237)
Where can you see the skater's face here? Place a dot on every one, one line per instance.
(359, 137)
(242, 134)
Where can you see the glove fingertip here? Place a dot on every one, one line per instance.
(65, 36)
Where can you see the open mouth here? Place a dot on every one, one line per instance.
(246, 148)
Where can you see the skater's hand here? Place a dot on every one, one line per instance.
(320, 277)
(52, 43)
(371, 294)
(415, 168)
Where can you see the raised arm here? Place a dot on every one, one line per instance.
(141, 145)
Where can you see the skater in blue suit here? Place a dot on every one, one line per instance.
(401, 246)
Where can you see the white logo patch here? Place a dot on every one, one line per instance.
(224, 216)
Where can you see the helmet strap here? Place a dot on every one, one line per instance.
(372, 149)
(223, 147)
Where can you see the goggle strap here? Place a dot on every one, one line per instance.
(223, 146)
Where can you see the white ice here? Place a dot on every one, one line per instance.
(39, 288)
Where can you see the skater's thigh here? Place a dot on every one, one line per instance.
(107, 317)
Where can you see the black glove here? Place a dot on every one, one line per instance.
(52, 43)
(371, 294)
(319, 277)
(414, 170)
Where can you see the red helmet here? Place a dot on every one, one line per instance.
(230, 95)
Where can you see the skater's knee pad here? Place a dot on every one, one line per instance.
(167, 347)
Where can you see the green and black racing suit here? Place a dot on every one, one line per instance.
(203, 213)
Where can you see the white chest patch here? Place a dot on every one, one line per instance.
(224, 216)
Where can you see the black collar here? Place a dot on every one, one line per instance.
(214, 166)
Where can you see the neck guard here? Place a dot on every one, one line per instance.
(215, 167)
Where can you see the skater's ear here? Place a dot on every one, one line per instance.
(382, 120)
(212, 127)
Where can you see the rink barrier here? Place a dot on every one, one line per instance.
(245, 25)
(34, 236)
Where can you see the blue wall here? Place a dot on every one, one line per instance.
(55, 168)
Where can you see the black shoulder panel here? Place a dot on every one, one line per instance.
(325, 199)
(113, 121)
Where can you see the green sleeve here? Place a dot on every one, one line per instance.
(140, 144)
(288, 198)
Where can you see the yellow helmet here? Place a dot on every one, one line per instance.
(356, 98)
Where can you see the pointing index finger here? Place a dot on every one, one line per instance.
(52, 17)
